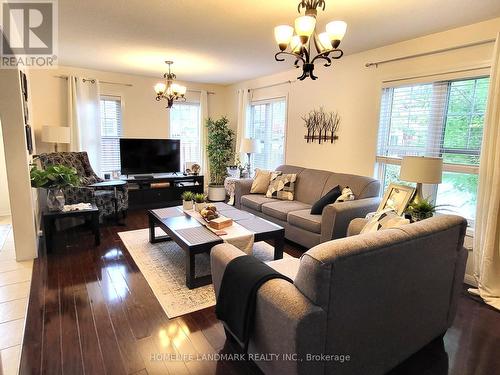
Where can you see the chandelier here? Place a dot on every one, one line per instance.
(305, 39)
(169, 90)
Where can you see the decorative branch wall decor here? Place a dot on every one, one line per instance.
(321, 126)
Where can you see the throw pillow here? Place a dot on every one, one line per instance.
(347, 195)
(260, 182)
(329, 198)
(282, 186)
(384, 219)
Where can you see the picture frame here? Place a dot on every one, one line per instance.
(397, 197)
(29, 139)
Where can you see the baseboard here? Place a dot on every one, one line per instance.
(470, 280)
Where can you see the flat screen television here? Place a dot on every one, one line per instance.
(143, 156)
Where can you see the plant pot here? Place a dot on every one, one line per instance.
(187, 205)
(199, 206)
(55, 199)
(216, 193)
(421, 216)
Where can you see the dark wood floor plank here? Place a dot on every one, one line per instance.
(112, 297)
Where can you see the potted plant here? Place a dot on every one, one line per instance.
(199, 202)
(187, 200)
(220, 150)
(54, 178)
(423, 209)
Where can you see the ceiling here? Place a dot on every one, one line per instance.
(226, 41)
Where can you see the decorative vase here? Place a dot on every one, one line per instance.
(216, 193)
(199, 206)
(187, 205)
(55, 199)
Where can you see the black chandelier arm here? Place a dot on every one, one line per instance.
(311, 4)
(297, 57)
(326, 56)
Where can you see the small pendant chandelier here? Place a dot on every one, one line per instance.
(169, 90)
(301, 44)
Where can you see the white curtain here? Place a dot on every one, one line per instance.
(243, 107)
(487, 230)
(204, 135)
(84, 118)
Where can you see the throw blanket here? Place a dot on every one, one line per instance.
(242, 279)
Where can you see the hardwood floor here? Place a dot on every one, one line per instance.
(91, 311)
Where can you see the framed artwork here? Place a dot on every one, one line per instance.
(397, 197)
(29, 139)
(24, 85)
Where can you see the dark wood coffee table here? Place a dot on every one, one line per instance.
(194, 238)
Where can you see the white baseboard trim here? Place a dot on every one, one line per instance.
(470, 280)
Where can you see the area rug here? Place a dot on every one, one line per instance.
(162, 264)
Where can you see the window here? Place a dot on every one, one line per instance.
(443, 119)
(111, 131)
(267, 123)
(185, 125)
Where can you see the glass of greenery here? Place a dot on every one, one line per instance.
(220, 152)
(423, 209)
(54, 178)
(199, 201)
(187, 200)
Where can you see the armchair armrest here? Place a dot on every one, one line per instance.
(241, 187)
(355, 226)
(337, 216)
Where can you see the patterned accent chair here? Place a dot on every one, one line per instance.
(102, 198)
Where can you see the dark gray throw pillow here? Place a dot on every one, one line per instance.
(328, 198)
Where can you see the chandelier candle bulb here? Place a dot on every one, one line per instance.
(283, 35)
(304, 27)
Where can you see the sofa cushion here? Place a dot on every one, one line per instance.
(361, 186)
(309, 185)
(255, 201)
(280, 209)
(328, 198)
(287, 266)
(305, 220)
(282, 186)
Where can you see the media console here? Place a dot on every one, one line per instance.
(162, 190)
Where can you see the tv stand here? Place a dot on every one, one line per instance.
(160, 190)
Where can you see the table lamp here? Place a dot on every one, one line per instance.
(422, 170)
(56, 135)
(249, 146)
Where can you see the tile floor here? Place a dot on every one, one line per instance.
(15, 281)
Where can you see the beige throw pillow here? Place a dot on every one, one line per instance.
(261, 181)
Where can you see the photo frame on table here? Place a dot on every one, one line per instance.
(397, 197)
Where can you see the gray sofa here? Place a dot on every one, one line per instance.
(311, 184)
(376, 297)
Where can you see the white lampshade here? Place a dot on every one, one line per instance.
(324, 41)
(336, 30)
(304, 27)
(56, 134)
(250, 146)
(283, 35)
(182, 90)
(425, 170)
(295, 44)
(160, 88)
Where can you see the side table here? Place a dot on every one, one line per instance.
(49, 219)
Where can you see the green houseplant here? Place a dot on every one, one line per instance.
(54, 178)
(220, 150)
(199, 201)
(423, 209)
(187, 200)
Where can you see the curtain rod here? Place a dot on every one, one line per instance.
(473, 44)
(272, 85)
(199, 91)
(92, 80)
(438, 74)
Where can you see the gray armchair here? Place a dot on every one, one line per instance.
(376, 298)
(103, 199)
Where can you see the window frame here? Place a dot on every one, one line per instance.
(250, 117)
(441, 113)
(200, 135)
(116, 98)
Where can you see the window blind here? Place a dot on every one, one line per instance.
(111, 131)
(268, 124)
(443, 119)
(185, 125)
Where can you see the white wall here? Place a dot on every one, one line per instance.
(4, 190)
(143, 116)
(354, 91)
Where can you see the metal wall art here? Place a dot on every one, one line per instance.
(321, 126)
